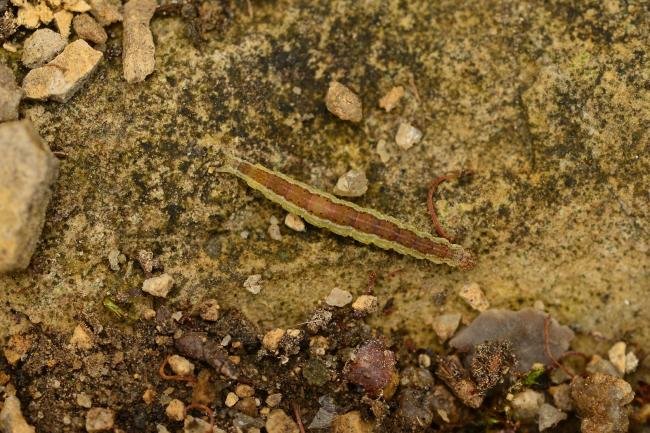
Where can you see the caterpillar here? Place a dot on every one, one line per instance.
(347, 219)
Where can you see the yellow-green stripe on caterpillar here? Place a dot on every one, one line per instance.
(348, 219)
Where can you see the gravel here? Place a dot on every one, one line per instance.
(61, 78)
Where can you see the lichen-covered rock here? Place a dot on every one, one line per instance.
(41, 47)
(600, 401)
(10, 94)
(11, 418)
(62, 77)
(138, 47)
(524, 330)
(27, 171)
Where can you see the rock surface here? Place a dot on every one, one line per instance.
(11, 418)
(27, 172)
(87, 28)
(138, 47)
(61, 78)
(41, 47)
(10, 94)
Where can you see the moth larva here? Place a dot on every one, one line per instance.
(348, 219)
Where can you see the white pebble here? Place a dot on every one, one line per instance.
(352, 184)
(617, 356)
(445, 325)
(631, 362)
(180, 365)
(407, 135)
(294, 222)
(338, 298)
(158, 286)
(474, 296)
(253, 283)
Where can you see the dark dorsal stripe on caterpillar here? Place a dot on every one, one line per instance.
(348, 219)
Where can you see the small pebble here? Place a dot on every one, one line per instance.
(352, 184)
(343, 102)
(338, 298)
(407, 136)
(138, 48)
(526, 404)
(99, 419)
(231, 399)
(180, 365)
(24, 203)
(383, 151)
(279, 422)
(351, 422)
(61, 78)
(10, 94)
(294, 222)
(561, 396)
(631, 362)
(105, 12)
(41, 47)
(158, 286)
(175, 410)
(446, 325)
(148, 396)
(549, 416)
(209, 310)
(616, 356)
(11, 417)
(271, 340)
(474, 296)
(253, 283)
(63, 21)
(87, 28)
(84, 400)
(424, 360)
(244, 391)
(366, 304)
(274, 230)
(392, 98)
(114, 260)
(273, 399)
(81, 338)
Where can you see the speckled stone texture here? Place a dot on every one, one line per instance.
(547, 101)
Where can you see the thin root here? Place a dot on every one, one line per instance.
(178, 378)
(547, 349)
(296, 412)
(209, 412)
(433, 187)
